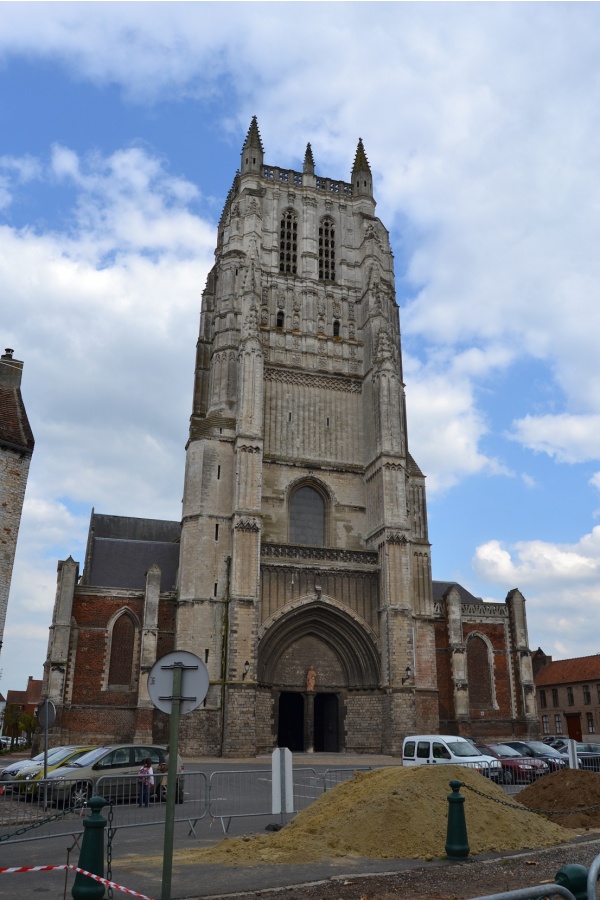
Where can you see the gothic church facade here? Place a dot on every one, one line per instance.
(300, 571)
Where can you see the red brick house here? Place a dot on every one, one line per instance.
(568, 695)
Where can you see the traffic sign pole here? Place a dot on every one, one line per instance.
(171, 782)
(165, 686)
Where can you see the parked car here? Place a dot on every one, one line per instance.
(588, 755)
(516, 769)
(539, 750)
(444, 749)
(9, 773)
(32, 774)
(74, 784)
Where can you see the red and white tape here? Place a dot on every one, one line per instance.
(117, 887)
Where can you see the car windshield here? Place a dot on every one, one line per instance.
(463, 748)
(539, 748)
(504, 750)
(89, 758)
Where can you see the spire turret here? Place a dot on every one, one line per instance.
(309, 162)
(252, 151)
(362, 180)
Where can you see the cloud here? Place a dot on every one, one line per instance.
(565, 437)
(561, 583)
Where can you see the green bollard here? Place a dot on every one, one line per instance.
(91, 856)
(573, 877)
(457, 842)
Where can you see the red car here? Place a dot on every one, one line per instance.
(516, 769)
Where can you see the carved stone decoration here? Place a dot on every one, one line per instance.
(396, 538)
(321, 306)
(311, 679)
(264, 316)
(250, 525)
(280, 300)
(251, 323)
(337, 309)
(326, 382)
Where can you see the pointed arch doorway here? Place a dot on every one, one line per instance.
(310, 715)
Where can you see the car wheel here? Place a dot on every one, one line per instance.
(80, 794)
(507, 777)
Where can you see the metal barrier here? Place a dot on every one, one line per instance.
(333, 777)
(532, 893)
(247, 792)
(42, 809)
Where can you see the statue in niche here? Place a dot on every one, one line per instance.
(351, 331)
(251, 323)
(296, 322)
(280, 301)
(321, 306)
(297, 303)
(264, 316)
(311, 679)
(337, 310)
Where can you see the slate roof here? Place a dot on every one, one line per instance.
(121, 549)
(440, 588)
(569, 671)
(15, 431)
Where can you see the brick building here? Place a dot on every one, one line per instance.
(16, 449)
(300, 572)
(27, 700)
(568, 695)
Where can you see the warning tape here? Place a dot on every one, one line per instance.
(117, 887)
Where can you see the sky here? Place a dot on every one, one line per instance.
(121, 126)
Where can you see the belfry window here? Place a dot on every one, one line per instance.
(307, 517)
(327, 251)
(280, 319)
(288, 243)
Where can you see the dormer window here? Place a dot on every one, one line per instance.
(327, 251)
(288, 243)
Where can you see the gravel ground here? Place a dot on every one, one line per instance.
(444, 880)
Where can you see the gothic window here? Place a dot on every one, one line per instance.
(288, 243)
(122, 641)
(479, 674)
(327, 251)
(280, 319)
(307, 517)
(336, 328)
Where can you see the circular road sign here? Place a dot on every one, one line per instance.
(46, 713)
(194, 681)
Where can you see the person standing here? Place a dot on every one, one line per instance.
(145, 782)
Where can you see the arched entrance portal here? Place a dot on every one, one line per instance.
(290, 732)
(339, 651)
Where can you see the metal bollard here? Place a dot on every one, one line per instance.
(91, 856)
(573, 877)
(457, 842)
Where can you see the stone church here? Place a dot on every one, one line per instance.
(300, 571)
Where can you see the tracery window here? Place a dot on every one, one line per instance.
(288, 243)
(307, 517)
(327, 251)
(122, 642)
(479, 674)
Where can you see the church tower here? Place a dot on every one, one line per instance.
(304, 577)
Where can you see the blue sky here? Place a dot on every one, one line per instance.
(121, 127)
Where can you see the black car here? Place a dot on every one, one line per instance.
(538, 750)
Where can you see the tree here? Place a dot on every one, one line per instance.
(12, 722)
(27, 723)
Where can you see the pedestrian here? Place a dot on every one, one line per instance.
(145, 782)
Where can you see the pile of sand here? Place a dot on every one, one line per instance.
(390, 813)
(572, 789)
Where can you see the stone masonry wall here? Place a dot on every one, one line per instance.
(14, 469)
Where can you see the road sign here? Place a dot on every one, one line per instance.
(194, 681)
(46, 713)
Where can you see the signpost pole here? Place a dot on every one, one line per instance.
(171, 782)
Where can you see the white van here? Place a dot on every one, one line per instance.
(448, 750)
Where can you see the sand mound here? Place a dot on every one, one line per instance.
(569, 789)
(390, 813)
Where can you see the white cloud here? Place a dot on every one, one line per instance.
(567, 438)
